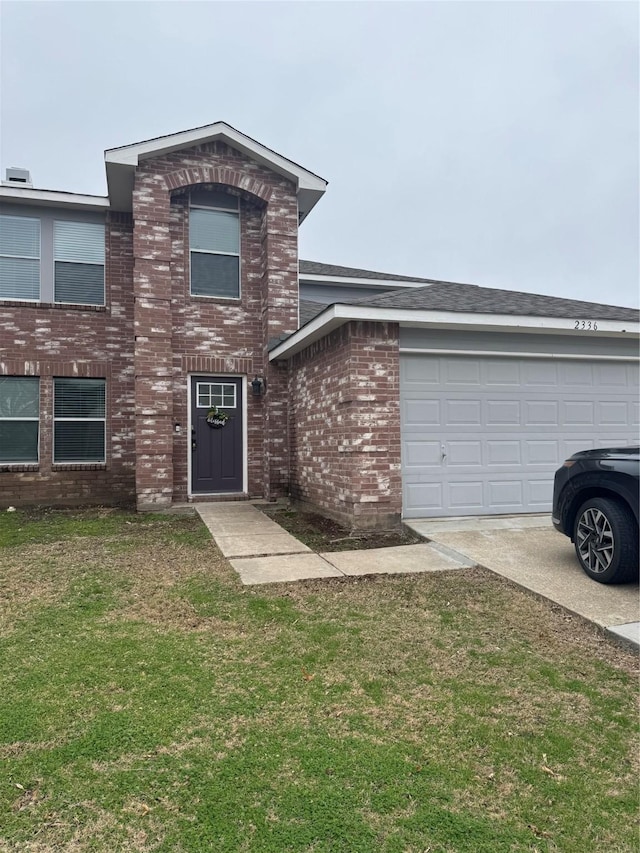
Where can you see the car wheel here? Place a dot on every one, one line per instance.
(605, 536)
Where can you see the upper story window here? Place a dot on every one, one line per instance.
(214, 244)
(79, 262)
(19, 258)
(51, 259)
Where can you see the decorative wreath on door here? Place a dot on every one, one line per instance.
(217, 419)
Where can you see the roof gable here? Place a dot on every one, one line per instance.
(121, 162)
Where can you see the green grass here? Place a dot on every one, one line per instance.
(148, 702)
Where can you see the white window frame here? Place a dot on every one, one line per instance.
(217, 208)
(26, 258)
(47, 216)
(35, 461)
(102, 420)
(210, 394)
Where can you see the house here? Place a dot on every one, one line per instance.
(126, 321)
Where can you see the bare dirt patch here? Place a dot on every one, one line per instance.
(324, 534)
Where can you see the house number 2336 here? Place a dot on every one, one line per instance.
(586, 324)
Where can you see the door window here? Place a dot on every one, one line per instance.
(220, 394)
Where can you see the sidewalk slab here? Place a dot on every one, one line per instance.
(403, 559)
(630, 633)
(290, 567)
(225, 509)
(259, 544)
(229, 526)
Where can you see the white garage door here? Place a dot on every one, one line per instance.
(484, 435)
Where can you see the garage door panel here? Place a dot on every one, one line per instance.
(610, 375)
(466, 495)
(611, 413)
(505, 493)
(467, 453)
(420, 372)
(503, 412)
(422, 453)
(503, 452)
(538, 413)
(425, 497)
(536, 373)
(504, 437)
(542, 452)
(579, 412)
(538, 492)
(578, 373)
(421, 412)
(463, 412)
(462, 372)
(502, 372)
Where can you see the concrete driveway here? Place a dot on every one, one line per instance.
(530, 552)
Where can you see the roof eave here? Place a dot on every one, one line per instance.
(54, 198)
(382, 284)
(122, 162)
(338, 314)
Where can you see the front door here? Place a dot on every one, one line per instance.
(216, 452)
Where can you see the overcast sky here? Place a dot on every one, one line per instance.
(489, 143)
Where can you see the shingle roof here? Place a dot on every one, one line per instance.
(309, 310)
(470, 298)
(316, 268)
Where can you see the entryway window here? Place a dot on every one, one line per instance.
(216, 394)
(19, 419)
(214, 243)
(79, 420)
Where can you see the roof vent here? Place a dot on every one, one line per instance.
(17, 177)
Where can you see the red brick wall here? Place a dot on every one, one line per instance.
(177, 334)
(344, 425)
(152, 334)
(328, 427)
(54, 341)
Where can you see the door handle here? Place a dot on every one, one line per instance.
(443, 453)
(194, 443)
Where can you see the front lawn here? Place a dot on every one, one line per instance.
(149, 702)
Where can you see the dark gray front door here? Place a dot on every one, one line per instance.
(216, 454)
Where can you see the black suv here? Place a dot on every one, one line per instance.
(595, 502)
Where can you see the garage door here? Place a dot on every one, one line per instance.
(484, 435)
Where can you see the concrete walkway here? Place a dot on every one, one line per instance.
(262, 552)
(525, 549)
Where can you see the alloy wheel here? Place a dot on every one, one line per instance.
(594, 540)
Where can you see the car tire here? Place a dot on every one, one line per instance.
(605, 536)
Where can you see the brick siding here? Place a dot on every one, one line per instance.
(58, 341)
(344, 425)
(152, 334)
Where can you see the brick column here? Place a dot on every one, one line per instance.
(279, 317)
(152, 355)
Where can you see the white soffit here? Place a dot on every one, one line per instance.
(336, 315)
(121, 162)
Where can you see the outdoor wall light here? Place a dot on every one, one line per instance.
(258, 386)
